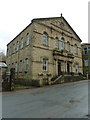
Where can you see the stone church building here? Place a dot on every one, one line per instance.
(46, 47)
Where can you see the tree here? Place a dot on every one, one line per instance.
(2, 57)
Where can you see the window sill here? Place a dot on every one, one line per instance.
(45, 45)
(26, 71)
(20, 72)
(45, 71)
(56, 48)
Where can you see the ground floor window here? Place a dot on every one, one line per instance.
(16, 67)
(86, 62)
(20, 66)
(77, 68)
(26, 65)
(45, 64)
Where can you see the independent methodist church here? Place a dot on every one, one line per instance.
(46, 47)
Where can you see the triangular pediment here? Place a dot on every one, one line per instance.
(60, 24)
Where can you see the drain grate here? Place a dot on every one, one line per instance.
(88, 115)
(73, 101)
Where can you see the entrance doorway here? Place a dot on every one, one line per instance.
(59, 68)
(68, 67)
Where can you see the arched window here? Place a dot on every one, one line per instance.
(56, 42)
(22, 42)
(68, 46)
(45, 39)
(17, 46)
(62, 44)
(27, 39)
(75, 49)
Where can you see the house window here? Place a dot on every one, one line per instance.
(85, 51)
(20, 66)
(45, 64)
(89, 50)
(13, 48)
(22, 42)
(26, 65)
(45, 39)
(86, 62)
(27, 39)
(17, 46)
(56, 42)
(68, 46)
(62, 44)
(16, 67)
(75, 49)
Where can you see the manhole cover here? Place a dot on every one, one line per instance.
(88, 115)
(73, 101)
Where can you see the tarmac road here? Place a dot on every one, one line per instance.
(57, 101)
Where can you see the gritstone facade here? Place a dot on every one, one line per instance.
(86, 59)
(47, 47)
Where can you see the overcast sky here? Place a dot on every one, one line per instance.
(15, 15)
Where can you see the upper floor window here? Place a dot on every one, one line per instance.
(13, 48)
(22, 42)
(86, 62)
(27, 39)
(45, 64)
(62, 44)
(89, 50)
(17, 46)
(75, 49)
(56, 42)
(26, 65)
(68, 46)
(45, 39)
(85, 51)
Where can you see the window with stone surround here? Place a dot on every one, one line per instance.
(45, 64)
(75, 49)
(89, 50)
(56, 43)
(16, 67)
(22, 43)
(86, 62)
(62, 44)
(68, 46)
(26, 65)
(45, 39)
(85, 51)
(17, 46)
(27, 39)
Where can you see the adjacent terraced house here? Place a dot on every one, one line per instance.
(46, 48)
(86, 59)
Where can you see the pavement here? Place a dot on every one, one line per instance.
(69, 100)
